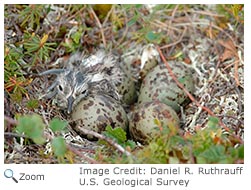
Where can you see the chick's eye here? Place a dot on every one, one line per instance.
(60, 87)
(84, 91)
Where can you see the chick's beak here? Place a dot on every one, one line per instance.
(70, 103)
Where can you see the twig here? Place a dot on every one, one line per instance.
(99, 25)
(164, 26)
(236, 74)
(10, 120)
(178, 41)
(193, 11)
(108, 15)
(195, 116)
(205, 13)
(191, 96)
(170, 21)
(211, 25)
(110, 141)
(14, 148)
(88, 159)
(14, 134)
(125, 31)
(75, 14)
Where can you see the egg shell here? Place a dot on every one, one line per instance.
(159, 85)
(98, 111)
(142, 126)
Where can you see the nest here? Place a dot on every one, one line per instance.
(215, 55)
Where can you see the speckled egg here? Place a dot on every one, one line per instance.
(159, 85)
(149, 59)
(98, 111)
(142, 127)
(127, 90)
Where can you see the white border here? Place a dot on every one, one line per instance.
(67, 176)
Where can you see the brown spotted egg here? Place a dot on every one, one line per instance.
(95, 112)
(159, 85)
(142, 125)
(149, 59)
(135, 66)
(127, 90)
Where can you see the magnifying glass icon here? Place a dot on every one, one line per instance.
(8, 173)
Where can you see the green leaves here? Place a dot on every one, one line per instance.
(32, 104)
(59, 146)
(213, 122)
(110, 154)
(220, 154)
(214, 154)
(151, 36)
(119, 135)
(58, 143)
(206, 146)
(31, 15)
(76, 37)
(73, 41)
(132, 21)
(57, 125)
(37, 47)
(14, 81)
(33, 127)
(240, 152)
